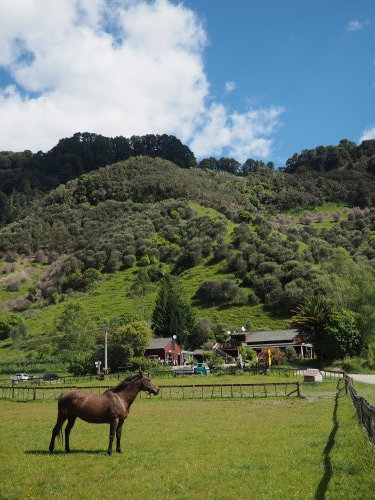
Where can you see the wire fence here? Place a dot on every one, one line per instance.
(365, 412)
(191, 391)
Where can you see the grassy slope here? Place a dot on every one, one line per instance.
(309, 448)
(111, 298)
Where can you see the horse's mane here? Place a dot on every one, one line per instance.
(124, 383)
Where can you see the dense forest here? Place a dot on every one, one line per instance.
(94, 206)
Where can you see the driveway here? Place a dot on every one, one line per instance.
(359, 377)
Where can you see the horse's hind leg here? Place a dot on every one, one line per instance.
(60, 421)
(68, 428)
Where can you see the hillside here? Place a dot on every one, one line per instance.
(246, 249)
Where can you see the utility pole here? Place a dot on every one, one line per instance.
(105, 352)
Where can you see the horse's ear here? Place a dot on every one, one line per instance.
(140, 373)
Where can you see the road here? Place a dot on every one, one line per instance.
(368, 379)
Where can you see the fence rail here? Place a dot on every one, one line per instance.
(365, 412)
(73, 380)
(191, 391)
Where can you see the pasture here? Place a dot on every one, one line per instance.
(248, 448)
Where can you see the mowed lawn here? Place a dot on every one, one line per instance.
(243, 448)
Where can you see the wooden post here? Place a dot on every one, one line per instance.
(298, 390)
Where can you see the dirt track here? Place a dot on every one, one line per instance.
(368, 379)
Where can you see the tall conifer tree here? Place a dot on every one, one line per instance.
(172, 314)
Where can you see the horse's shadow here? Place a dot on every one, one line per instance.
(62, 452)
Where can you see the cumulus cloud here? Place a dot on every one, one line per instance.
(356, 25)
(230, 86)
(116, 68)
(368, 133)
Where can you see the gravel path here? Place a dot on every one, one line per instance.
(368, 379)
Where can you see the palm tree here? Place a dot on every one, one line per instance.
(310, 318)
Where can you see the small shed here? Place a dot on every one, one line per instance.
(167, 350)
(312, 376)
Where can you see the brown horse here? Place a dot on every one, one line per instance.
(111, 407)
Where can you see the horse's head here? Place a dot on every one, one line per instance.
(148, 385)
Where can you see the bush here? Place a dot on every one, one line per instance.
(215, 363)
(14, 282)
(277, 356)
(290, 353)
(128, 260)
(81, 363)
(220, 292)
(350, 365)
(341, 335)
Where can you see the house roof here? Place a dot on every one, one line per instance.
(160, 342)
(265, 336)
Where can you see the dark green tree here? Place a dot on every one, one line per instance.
(126, 341)
(141, 287)
(74, 332)
(172, 314)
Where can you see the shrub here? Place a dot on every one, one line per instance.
(220, 292)
(277, 356)
(7, 324)
(341, 335)
(15, 281)
(290, 353)
(81, 363)
(128, 260)
(215, 363)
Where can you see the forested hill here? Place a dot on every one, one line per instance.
(247, 246)
(25, 176)
(346, 156)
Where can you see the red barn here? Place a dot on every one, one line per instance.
(167, 350)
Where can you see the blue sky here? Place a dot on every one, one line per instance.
(314, 58)
(246, 78)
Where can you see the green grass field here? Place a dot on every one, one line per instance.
(366, 390)
(249, 448)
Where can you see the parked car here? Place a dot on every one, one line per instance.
(201, 369)
(20, 377)
(50, 376)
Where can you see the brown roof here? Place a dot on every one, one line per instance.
(160, 342)
(265, 336)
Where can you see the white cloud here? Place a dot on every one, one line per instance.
(368, 133)
(230, 86)
(116, 68)
(356, 25)
(241, 134)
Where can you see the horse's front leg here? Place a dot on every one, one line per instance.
(112, 431)
(118, 435)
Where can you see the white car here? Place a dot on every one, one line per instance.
(20, 377)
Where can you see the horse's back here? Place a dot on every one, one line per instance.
(89, 407)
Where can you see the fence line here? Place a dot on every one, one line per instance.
(69, 380)
(191, 391)
(365, 412)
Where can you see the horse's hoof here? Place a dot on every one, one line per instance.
(119, 450)
(109, 453)
(51, 452)
(67, 451)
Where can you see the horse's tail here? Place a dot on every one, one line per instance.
(60, 436)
